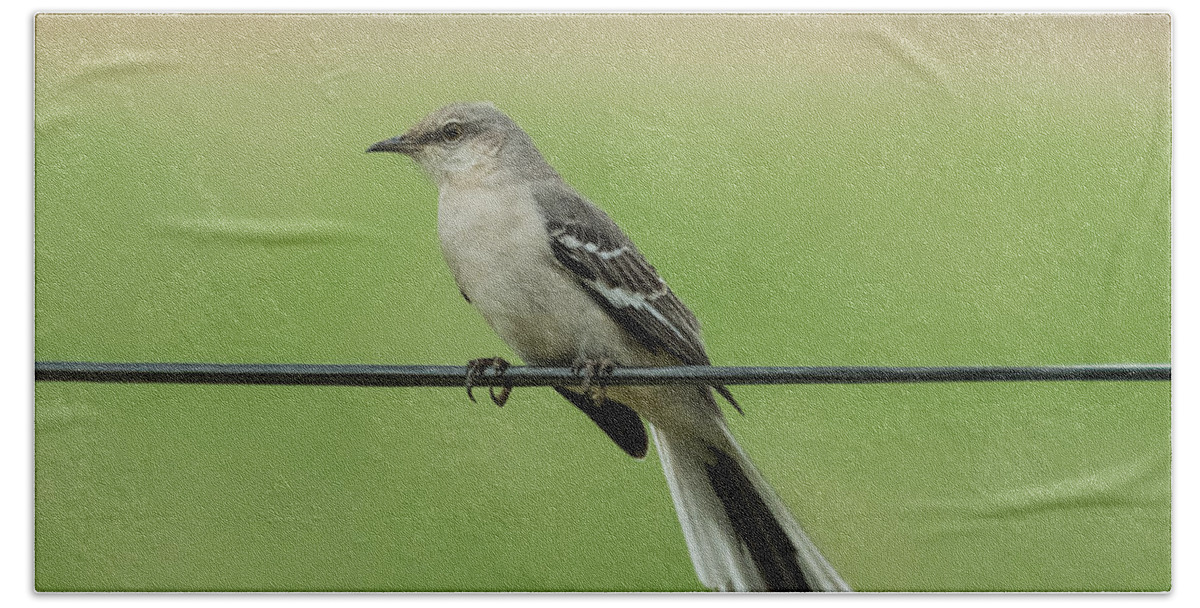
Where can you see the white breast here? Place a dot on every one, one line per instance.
(494, 240)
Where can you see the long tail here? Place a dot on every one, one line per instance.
(740, 534)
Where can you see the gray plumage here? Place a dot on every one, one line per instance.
(562, 284)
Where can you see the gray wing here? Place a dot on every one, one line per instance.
(612, 270)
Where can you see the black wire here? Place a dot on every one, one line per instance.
(455, 375)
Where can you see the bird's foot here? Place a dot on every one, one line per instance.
(477, 368)
(594, 371)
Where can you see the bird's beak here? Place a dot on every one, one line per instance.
(401, 143)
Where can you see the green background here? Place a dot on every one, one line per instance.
(821, 190)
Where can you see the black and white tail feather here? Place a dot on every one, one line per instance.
(740, 535)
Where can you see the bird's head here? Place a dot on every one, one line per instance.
(463, 140)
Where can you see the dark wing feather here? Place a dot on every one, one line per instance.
(616, 419)
(617, 276)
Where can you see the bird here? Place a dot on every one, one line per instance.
(563, 286)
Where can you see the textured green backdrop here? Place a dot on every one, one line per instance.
(822, 190)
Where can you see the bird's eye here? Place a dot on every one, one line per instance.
(452, 131)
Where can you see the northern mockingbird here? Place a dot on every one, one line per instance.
(562, 285)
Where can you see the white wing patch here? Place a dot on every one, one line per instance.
(572, 242)
(620, 279)
(625, 299)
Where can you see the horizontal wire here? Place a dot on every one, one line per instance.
(455, 375)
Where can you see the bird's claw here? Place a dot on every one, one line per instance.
(476, 368)
(594, 371)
